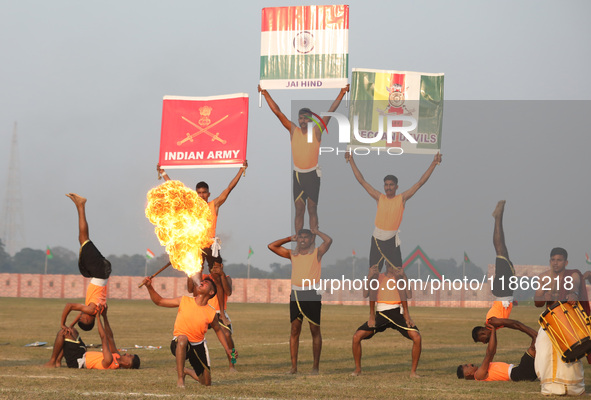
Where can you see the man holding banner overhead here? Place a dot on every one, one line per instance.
(385, 241)
(206, 132)
(306, 173)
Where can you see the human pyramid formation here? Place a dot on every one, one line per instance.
(388, 306)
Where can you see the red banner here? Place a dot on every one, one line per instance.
(204, 131)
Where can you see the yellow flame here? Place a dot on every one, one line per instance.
(182, 221)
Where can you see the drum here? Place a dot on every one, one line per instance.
(569, 330)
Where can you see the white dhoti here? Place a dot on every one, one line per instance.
(556, 376)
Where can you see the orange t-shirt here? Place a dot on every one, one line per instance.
(304, 154)
(389, 214)
(193, 320)
(497, 371)
(305, 266)
(497, 310)
(96, 294)
(94, 360)
(388, 295)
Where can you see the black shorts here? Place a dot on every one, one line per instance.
(384, 251)
(306, 185)
(525, 371)
(392, 318)
(208, 256)
(305, 304)
(91, 262)
(504, 270)
(73, 351)
(198, 356)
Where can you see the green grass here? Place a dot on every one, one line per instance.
(261, 333)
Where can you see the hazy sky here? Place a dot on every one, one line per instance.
(85, 81)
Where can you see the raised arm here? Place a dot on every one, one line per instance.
(90, 309)
(109, 333)
(375, 194)
(482, 371)
(277, 111)
(326, 242)
(277, 247)
(410, 192)
(159, 300)
(372, 274)
(221, 199)
(336, 103)
(107, 355)
(218, 269)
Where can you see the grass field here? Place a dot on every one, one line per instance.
(261, 332)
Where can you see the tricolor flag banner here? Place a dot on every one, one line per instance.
(587, 258)
(305, 47)
(204, 131)
(48, 254)
(466, 259)
(378, 96)
(149, 254)
(250, 252)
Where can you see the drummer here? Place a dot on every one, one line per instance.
(498, 315)
(556, 376)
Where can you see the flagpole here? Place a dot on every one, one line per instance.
(248, 270)
(354, 259)
(45, 263)
(146, 267)
(419, 261)
(463, 268)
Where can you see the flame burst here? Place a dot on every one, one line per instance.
(182, 221)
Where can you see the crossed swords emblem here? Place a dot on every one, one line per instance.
(214, 136)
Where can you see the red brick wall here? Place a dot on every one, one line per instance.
(244, 290)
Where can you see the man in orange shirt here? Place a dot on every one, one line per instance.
(70, 346)
(498, 315)
(385, 241)
(306, 174)
(305, 301)
(192, 321)
(392, 310)
(212, 254)
(92, 265)
(499, 371)
(220, 278)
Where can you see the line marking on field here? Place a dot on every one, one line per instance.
(35, 376)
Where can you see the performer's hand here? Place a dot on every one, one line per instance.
(245, 164)
(104, 310)
(373, 271)
(489, 326)
(437, 158)
(147, 281)
(409, 322)
(345, 89)
(263, 91)
(348, 156)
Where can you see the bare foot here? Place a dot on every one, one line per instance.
(293, 371)
(415, 375)
(191, 373)
(498, 212)
(371, 322)
(315, 372)
(357, 372)
(51, 364)
(233, 369)
(77, 199)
